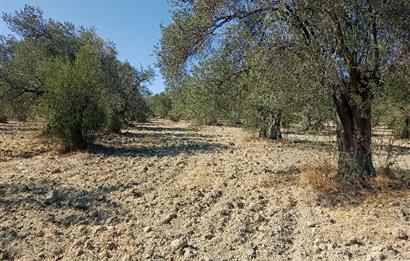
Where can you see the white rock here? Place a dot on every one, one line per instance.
(178, 244)
(168, 218)
(398, 233)
(147, 229)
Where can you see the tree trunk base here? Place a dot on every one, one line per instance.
(405, 134)
(355, 164)
(271, 125)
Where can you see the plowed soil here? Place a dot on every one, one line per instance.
(170, 191)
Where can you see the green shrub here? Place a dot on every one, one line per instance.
(115, 123)
(74, 104)
(161, 105)
(401, 129)
(3, 119)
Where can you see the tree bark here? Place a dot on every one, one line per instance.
(270, 125)
(275, 127)
(354, 134)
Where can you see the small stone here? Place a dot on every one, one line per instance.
(147, 229)
(392, 251)
(399, 234)
(209, 236)
(253, 252)
(332, 245)
(111, 246)
(317, 249)
(348, 254)
(110, 229)
(96, 229)
(137, 194)
(190, 252)
(89, 245)
(51, 197)
(354, 241)
(169, 218)
(108, 221)
(188, 225)
(125, 257)
(80, 252)
(22, 234)
(56, 171)
(312, 225)
(178, 244)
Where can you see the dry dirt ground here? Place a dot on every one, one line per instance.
(168, 191)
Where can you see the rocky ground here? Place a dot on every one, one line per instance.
(168, 191)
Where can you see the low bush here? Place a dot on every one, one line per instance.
(74, 104)
(3, 119)
(321, 177)
(115, 124)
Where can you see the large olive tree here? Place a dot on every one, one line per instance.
(353, 44)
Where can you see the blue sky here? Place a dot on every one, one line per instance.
(134, 25)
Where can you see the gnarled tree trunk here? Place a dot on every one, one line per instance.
(354, 135)
(270, 124)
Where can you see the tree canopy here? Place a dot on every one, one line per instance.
(69, 76)
(343, 50)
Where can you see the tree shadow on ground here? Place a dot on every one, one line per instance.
(400, 150)
(332, 146)
(63, 205)
(315, 145)
(16, 127)
(149, 151)
(157, 142)
(159, 129)
(166, 135)
(51, 203)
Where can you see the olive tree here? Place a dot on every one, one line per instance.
(352, 43)
(69, 76)
(393, 106)
(73, 104)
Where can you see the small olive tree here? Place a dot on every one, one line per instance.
(73, 102)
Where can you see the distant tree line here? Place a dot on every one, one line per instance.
(68, 76)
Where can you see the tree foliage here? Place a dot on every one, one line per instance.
(69, 76)
(349, 47)
(161, 105)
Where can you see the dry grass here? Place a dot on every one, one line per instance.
(246, 137)
(198, 179)
(391, 179)
(249, 136)
(267, 182)
(321, 177)
(384, 181)
(383, 189)
(386, 188)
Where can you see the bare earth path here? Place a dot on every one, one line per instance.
(165, 191)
